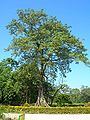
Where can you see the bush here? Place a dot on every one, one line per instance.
(26, 105)
(46, 110)
(68, 105)
(87, 104)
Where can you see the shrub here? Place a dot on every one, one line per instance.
(26, 105)
(87, 104)
(46, 110)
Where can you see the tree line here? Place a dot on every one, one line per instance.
(19, 85)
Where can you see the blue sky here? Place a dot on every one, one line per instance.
(75, 13)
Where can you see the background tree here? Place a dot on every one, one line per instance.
(8, 86)
(85, 94)
(27, 75)
(75, 95)
(61, 99)
(5, 73)
(44, 40)
(60, 89)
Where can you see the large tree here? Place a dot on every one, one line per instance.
(48, 43)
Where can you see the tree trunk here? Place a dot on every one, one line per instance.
(41, 100)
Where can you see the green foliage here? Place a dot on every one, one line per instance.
(85, 94)
(61, 99)
(8, 86)
(20, 85)
(40, 38)
(46, 110)
(61, 89)
(26, 105)
(75, 95)
(28, 77)
(87, 104)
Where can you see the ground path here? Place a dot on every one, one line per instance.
(57, 116)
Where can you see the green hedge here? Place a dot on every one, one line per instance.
(69, 105)
(47, 110)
